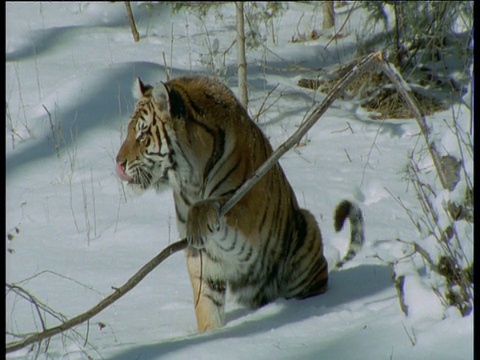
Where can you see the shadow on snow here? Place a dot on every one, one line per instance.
(345, 286)
(98, 101)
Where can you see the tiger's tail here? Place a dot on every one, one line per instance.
(357, 238)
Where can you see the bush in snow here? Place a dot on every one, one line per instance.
(444, 248)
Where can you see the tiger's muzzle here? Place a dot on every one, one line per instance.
(120, 167)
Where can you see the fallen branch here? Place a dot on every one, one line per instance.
(117, 294)
(355, 72)
(404, 89)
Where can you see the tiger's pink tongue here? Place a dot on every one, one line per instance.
(121, 172)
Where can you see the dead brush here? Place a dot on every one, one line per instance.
(388, 104)
(439, 230)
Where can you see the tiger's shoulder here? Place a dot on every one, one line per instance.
(209, 103)
(205, 94)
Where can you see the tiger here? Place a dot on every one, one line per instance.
(192, 134)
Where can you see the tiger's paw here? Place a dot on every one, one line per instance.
(203, 221)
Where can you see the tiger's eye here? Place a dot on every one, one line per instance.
(142, 137)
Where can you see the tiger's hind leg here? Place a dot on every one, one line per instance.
(308, 275)
(209, 288)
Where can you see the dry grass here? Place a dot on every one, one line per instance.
(371, 88)
(388, 104)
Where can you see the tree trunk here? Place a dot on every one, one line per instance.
(242, 63)
(328, 15)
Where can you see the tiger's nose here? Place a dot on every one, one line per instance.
(120, 167)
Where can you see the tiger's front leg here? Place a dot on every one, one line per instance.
(207, 277)
(204, 223)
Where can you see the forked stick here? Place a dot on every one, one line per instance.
(355, 72)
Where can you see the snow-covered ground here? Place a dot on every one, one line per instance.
(74, 230)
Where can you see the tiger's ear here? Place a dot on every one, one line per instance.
(140, 89)
(161, 95)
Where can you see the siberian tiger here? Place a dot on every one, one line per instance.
(193, 134)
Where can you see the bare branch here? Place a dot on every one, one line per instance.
(262, 107)
(20, 291)
(357, 70)
(119, 292)
(404, 89)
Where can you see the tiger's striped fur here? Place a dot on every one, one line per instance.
(191, 133)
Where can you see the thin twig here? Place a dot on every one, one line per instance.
(262, 110)
(53, 129)
(20, 291)
(167, 74)
(367, 162)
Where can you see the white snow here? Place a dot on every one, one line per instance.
(81, 231)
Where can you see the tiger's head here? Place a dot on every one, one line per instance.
(145, 157)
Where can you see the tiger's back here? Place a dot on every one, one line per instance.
(276, 243)
(193, 134)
